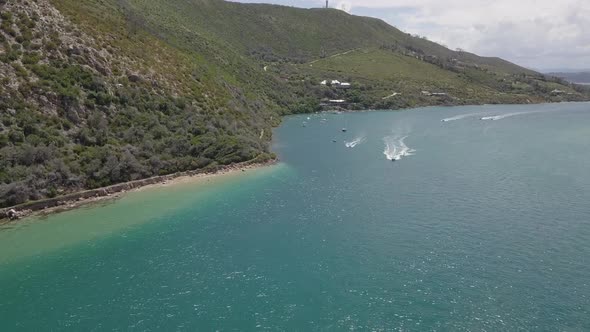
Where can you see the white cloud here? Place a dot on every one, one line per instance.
(344, 5)
(534, 33)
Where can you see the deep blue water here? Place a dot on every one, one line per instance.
(479, 225)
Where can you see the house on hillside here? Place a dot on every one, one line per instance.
(434, 94)
(336, 84)
(334, 104)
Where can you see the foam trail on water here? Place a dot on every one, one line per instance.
(396, 148)
(355, 142)
(489, 118)
(508, 115)
(460, 117)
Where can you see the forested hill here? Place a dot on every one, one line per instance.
(98, 92)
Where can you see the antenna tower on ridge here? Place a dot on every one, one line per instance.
(326, 4)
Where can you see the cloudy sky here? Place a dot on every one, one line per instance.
(539, 34)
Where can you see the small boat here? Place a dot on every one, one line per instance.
(344, 130)
(333, 141)
(393, 159)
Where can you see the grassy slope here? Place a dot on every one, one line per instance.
(292, 33)
(379, 73)
(285, 32)
(282, 36)
(389, 72)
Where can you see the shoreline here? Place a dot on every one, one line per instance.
(420, 106)
(87, 197)
(82, 198)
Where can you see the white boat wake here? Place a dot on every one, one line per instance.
(355, 142)
(460, 117)
(485, 118)
(396, 148)
(508, 115)
(489, 117)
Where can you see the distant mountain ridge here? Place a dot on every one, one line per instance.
(99, 92)
(574, 77)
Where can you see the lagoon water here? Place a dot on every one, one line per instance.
(477, 225)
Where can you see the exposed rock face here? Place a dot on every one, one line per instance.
(73, 50)
(134, 78)
(54, 38)
(12, 214)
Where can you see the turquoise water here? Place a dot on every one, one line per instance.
(478, 225)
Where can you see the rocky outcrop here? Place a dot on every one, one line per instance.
(56, 39)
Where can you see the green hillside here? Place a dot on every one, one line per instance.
(98, 92)
(90, 100)
(274, 33)
(377, 74)
(306, 45)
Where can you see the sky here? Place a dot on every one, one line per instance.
(544, 35)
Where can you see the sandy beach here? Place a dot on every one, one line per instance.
(201, 177)
(106, 194)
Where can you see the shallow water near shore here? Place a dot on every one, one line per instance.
(43, 234)
(402, 222)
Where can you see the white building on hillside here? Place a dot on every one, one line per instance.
(336, 83)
